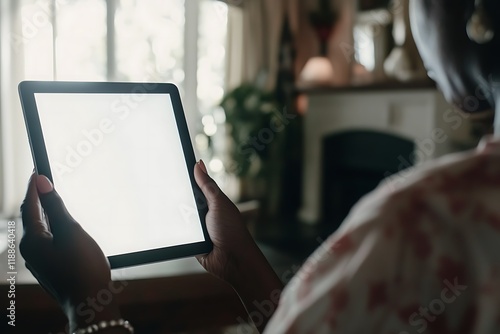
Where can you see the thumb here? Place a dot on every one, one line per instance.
(207, 185)
(53, 205)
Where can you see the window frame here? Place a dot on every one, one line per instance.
(190, 65)
(9, 9)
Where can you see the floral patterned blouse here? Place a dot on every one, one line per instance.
(421, 254)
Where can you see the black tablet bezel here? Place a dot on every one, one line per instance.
(27, 91)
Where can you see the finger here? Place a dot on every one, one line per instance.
(31, 212)
(207, 185)
(201, 258)
(58, 216)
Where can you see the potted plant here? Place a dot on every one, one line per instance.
(255, 136)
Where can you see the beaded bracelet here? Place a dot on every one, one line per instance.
(106, 324)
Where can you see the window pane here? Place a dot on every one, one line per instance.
(81, 40)
(35, 41)
(150, 40)
(211, 84)
(212, 54)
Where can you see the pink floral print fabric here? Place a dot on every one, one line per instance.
(421, 254)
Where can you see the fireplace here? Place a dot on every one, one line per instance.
(354, 163)
(399, 114)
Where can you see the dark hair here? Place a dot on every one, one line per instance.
(493, 9)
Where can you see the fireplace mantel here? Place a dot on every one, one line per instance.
(416, 112)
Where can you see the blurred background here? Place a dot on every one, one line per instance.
(298, 107)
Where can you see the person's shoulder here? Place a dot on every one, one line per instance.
(454, 172)
(447, 185)
(458, 177)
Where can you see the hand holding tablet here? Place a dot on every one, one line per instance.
(120, 156)
(65, 260)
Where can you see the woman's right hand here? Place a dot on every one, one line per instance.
(235, 257)
(232, 243)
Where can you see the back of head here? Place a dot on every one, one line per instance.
(462, 67)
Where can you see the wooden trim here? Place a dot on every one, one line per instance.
(161, 305)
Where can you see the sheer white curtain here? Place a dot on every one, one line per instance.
(254, 30)
(15, 158)
(179, 41)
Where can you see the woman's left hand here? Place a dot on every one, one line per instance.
(65, 260)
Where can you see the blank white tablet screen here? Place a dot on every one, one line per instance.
(117, 162)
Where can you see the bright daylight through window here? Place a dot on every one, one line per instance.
(177, 41)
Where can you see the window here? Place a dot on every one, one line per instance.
(178, 41)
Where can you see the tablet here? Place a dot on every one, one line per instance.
(120, 156)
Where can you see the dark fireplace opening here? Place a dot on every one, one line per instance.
(354, 163)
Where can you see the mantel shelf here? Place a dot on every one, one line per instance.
(375, 86)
